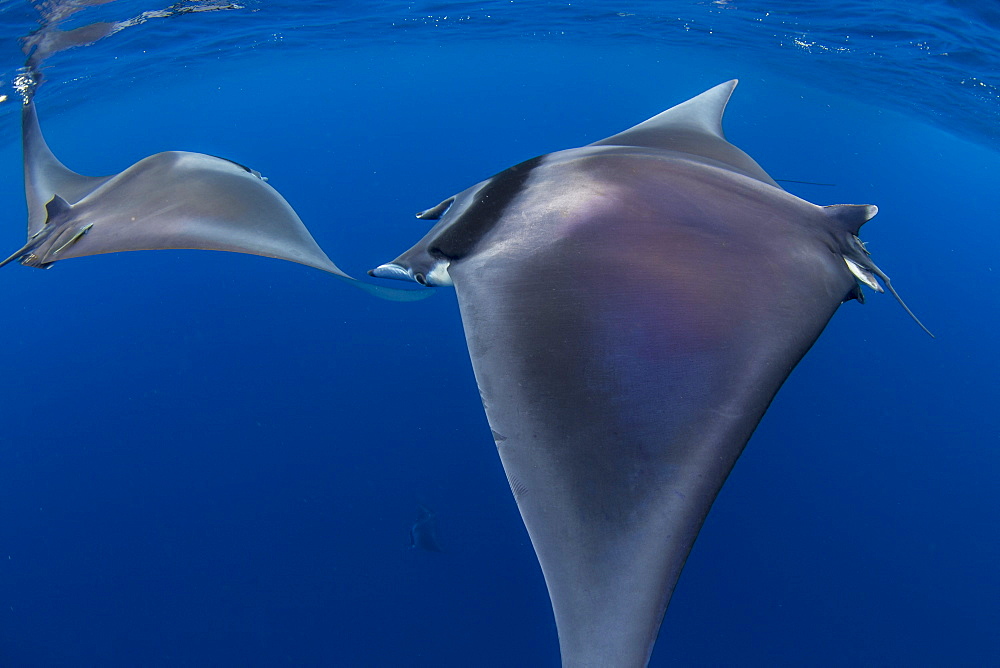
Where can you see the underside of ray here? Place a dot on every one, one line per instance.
(171, 200)
(693, 127)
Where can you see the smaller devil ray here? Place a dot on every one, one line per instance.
(424, 532)
(171, 200)
(631, 308)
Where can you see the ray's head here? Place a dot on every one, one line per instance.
(428, 261)
(463, 221)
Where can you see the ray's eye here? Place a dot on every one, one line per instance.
(419, 278)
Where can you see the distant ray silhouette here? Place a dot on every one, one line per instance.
(424, 532)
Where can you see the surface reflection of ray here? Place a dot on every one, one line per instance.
(50, 39)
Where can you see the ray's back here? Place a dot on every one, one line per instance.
(629, 318)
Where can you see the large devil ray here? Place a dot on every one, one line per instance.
(631, 308)
(171, 200)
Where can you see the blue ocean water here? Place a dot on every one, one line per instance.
(213, 459)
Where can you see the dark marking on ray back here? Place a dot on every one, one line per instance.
(478, 219)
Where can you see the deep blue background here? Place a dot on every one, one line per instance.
(213, 459)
